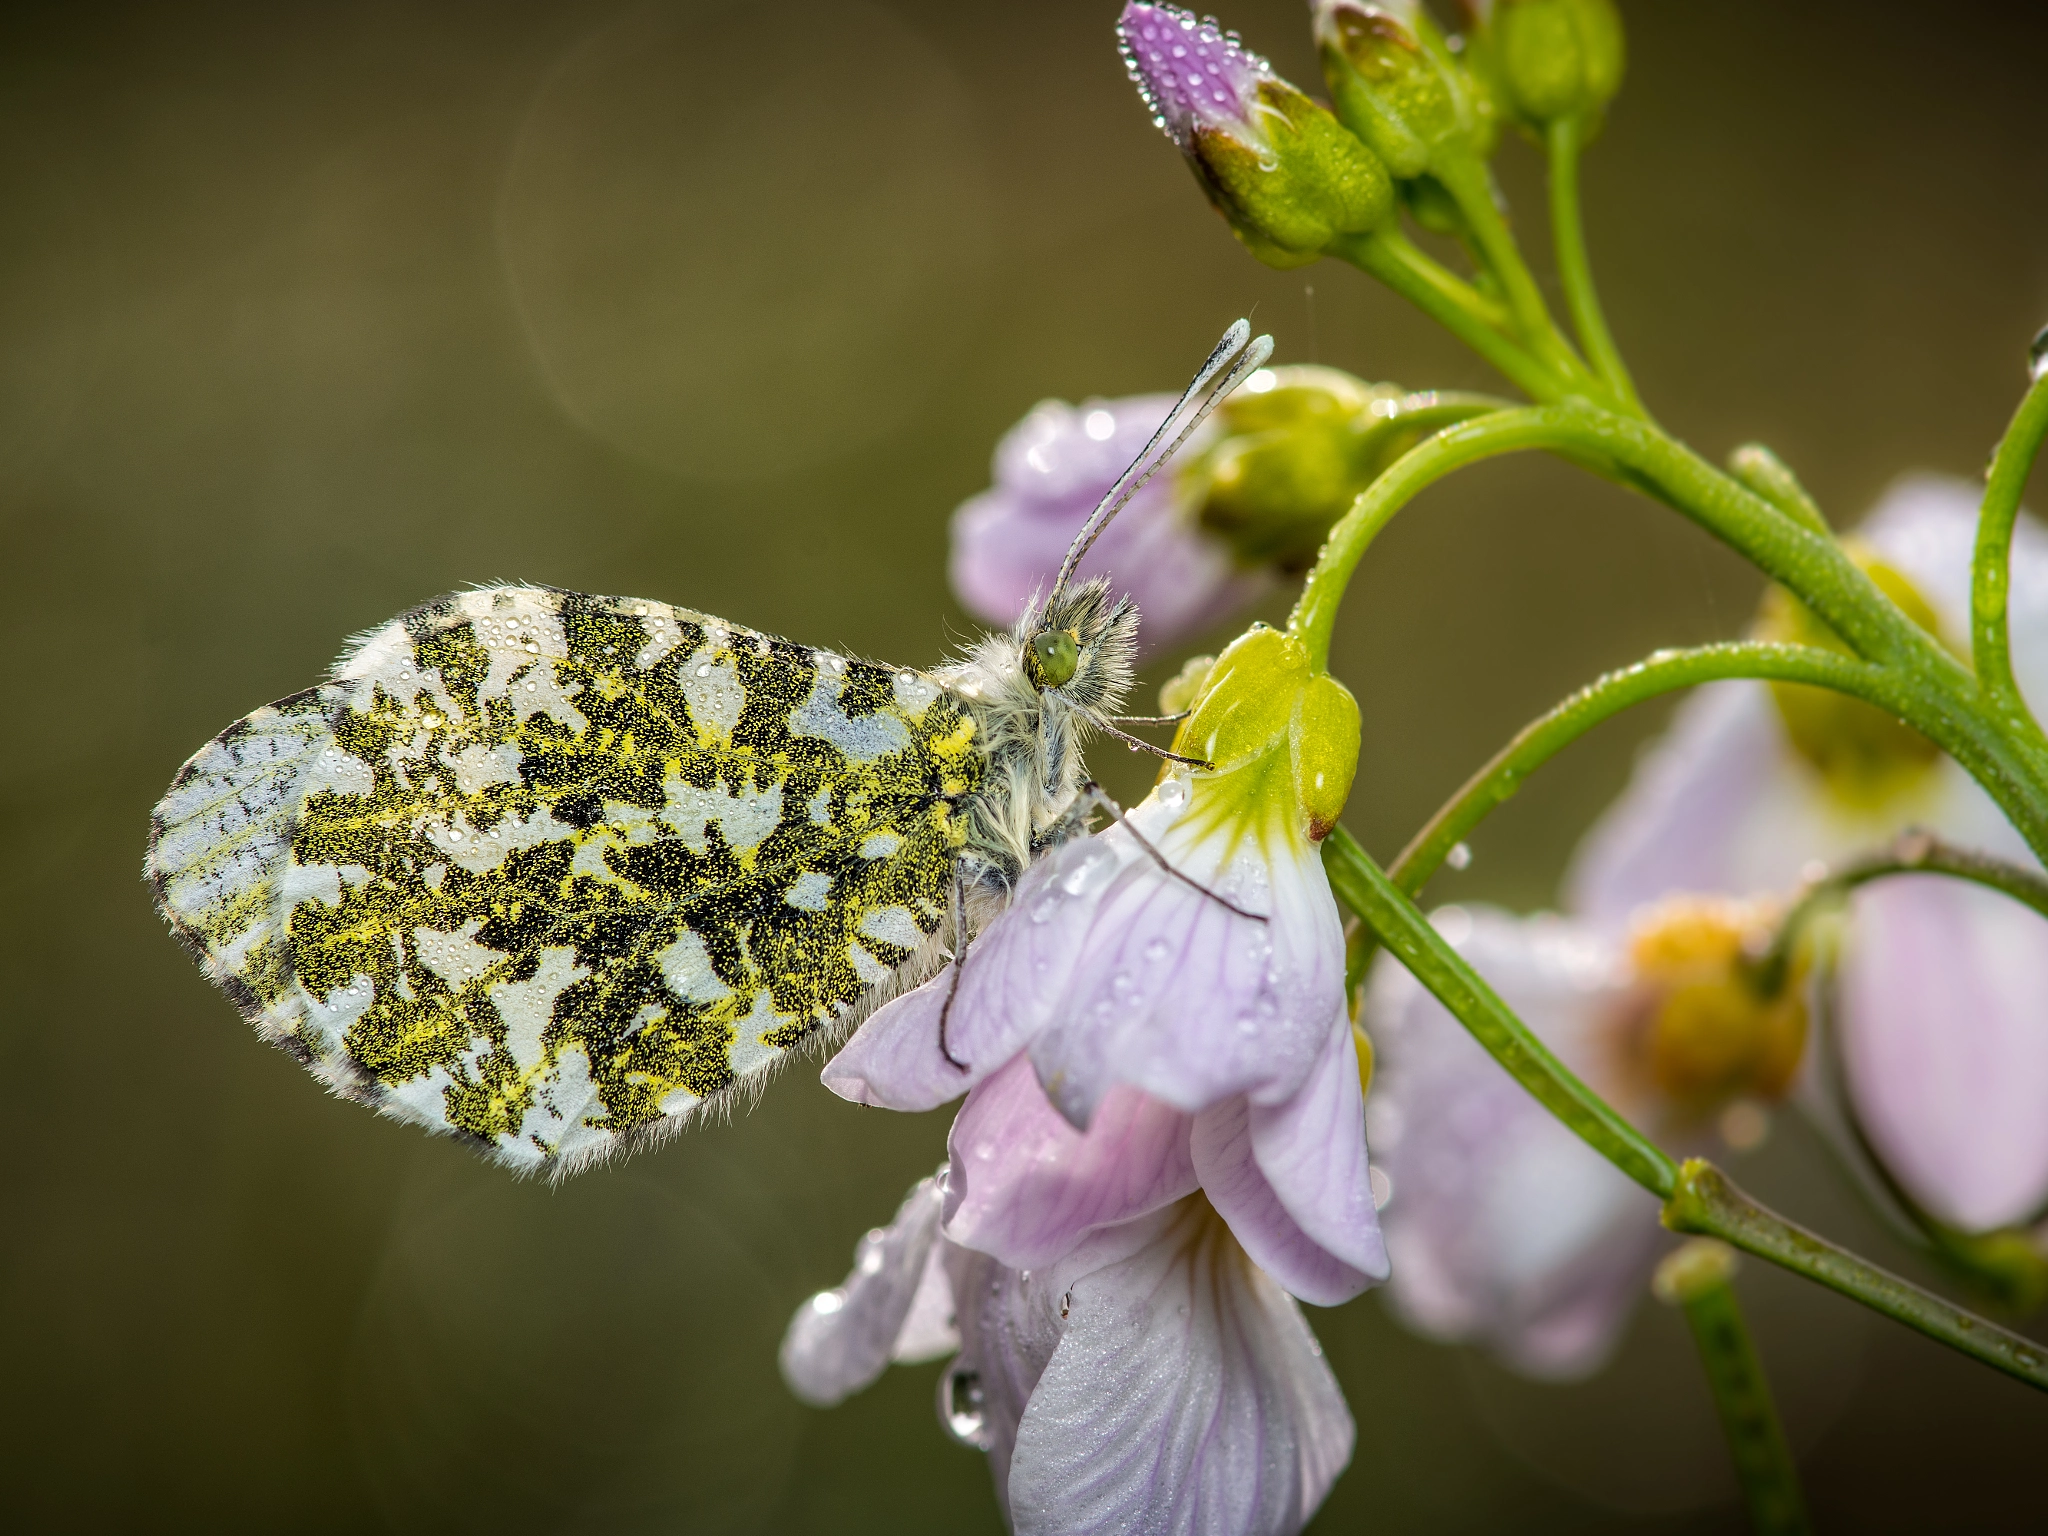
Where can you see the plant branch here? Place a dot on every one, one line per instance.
(1913, 852)
(1697, 1278)
(1991, 565)
(1660, 673)
(1574, 267)
(1707, 1203)
(1364, 887)
(1452, 302)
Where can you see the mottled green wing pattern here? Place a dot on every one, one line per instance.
(550, 871)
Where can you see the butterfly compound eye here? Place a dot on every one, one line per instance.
(1057, 654)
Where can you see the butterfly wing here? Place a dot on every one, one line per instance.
(550, 871)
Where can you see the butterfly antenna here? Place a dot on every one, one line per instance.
(1236, 355)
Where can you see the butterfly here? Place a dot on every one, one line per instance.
(551, 873)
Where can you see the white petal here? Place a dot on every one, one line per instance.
(841, 1340)
(1503, 1227)
(1172, 991)
(1943, 1018)
(1186, 1396)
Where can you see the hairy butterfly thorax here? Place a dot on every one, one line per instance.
(554, 872)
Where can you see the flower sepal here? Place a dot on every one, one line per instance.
(1281, 739)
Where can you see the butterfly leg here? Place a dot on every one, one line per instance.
(958, 904)
(1092, 792)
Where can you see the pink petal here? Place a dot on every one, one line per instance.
(1175, 993)
(1012, 975)
(1186, 1396)
(841, 1340)
(1027, 1187)
(1050, 471)
(1944, 1031)
(1237, 1187)
(1311, 1150)
(1503, 1227)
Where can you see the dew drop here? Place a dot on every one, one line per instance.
(1173, 794)
(1460, 856)
(1382, 1186)
(704, 670)
(454, 835)
(1158, 950)
(963, 1407)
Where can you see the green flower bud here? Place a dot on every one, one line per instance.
(1285, 174)
(1549, 58)
(1393, 82)
(1296, 447)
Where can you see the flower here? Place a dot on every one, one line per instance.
(1504, 1228)
(1050, 471)
(1286, 175)
(1937, 992)
(1152, 1380)
(1161, 1006)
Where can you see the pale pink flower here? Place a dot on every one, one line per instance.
(1126, 1036)
(1151, 1380)
(1940, 1003)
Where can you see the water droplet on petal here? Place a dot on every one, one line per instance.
(1173, 794)
(1158, 950)
(963, 1407)
(1382, 1187)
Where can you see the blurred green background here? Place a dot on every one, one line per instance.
(308, 313)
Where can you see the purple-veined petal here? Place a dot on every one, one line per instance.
(1311, 1149)
(1012, 977)
(1050, 470)
(1172, 991)
(1943, 1020)
(1503, 1227)
(1186, 1396)
(1237, 1187)
(1027, 1187)
(1010, 1322)
(842, 1339)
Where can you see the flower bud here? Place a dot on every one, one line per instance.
(1548, 58)
(1697, 1025)
(1282, 738)
(1282, 171)
(1864, 755)
(1393, 82)
(1295, 447)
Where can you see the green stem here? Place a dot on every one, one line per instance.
(1663, 672)
(1697, 1279)
(1991, 566)
(1574, 268)
(1931, 690)
(1364, 887)
(1698, 1198)
(1391, 257)
(1707, 1203)
(1911, 853)
(1470, 183)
